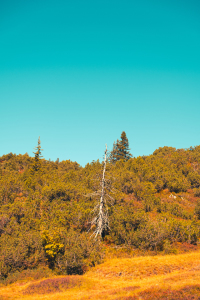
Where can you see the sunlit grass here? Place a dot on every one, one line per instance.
(147, 277)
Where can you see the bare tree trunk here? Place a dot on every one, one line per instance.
(101, 221)
(102, 217)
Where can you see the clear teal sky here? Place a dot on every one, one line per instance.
(78, 73)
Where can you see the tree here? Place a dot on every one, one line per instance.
(38, 155)
(101, 220)
(121, 149)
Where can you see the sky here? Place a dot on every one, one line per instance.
(78, 73)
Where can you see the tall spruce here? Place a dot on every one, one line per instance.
(121, 149)
(38, 155)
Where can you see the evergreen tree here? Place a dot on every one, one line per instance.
(121, 149)
(38, 155)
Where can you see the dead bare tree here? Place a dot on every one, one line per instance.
(101, 220)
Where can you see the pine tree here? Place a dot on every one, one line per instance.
(38, 155)
(121, 149)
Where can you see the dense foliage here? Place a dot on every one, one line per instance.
(46, 208)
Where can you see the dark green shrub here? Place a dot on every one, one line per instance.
(194, 179)
(150, 236)
(183, 231)
(197, 210)
(178, 184)
(80, 252)
(123, 222)
(197, 192)
(20, 252)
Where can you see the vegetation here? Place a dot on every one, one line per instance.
(149, 277)
(46, 208)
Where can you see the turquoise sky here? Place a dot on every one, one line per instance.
(78, 73)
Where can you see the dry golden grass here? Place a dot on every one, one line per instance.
(148, 277)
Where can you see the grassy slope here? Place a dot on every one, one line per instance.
(148, 277)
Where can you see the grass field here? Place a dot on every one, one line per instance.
(147, 277)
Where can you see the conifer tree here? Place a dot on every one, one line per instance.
(121, 149)
(38, 155)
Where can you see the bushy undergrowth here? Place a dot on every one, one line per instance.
(29, 275)
(80, 252)
(144, 232)
(20, 251)
(53, 285)
(46, 208)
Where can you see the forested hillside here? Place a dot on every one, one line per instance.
(46, 208)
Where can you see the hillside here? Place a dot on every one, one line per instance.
(46, 210)
(159, 277)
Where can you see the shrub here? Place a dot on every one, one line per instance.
(52, 243)
(178, 184)
(123, 223)
(183, 231)
(29, 274)
(197, 210)
(197, 192)
(53, 285)
(80, 252)
(20, 252)
(194, 179)
(150, 235)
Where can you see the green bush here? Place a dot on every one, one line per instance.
(197, 192)
(20, 252)
(150, 236)
(197, 210)
(80, 252)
